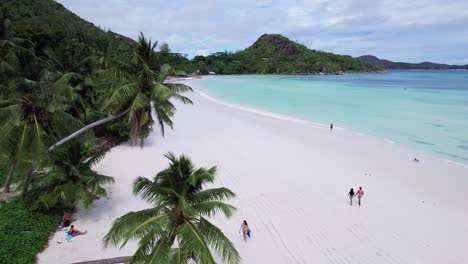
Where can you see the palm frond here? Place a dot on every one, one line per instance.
(219, 242)
(215, 194)
(160, 253)
(193, 239)
(165, 71)
(134, 225)
(178, 87)
(122, 96)
(212, 208)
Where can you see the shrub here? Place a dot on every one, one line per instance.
(24, 233)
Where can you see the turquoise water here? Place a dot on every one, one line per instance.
(424, 110)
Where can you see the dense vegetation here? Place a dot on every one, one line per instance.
(58, 74)
(59, 34)
(277, 54)
(23, 232)
(65, 87)
(376, 62)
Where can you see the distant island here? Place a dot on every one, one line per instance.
(386, 64)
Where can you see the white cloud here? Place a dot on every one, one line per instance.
(203, 52)
(414, 30)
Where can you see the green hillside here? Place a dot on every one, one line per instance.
(277, 54)
(61, 36)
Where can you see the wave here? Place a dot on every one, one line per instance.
(423, 142)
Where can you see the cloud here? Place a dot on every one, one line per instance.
(416, 30)
(203, 52)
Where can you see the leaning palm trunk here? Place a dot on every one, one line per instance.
(88, 127)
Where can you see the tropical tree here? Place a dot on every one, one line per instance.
(29, 119)
(137, 89)
(71, 180)
(177, 218)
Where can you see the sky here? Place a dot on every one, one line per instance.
(409, 31)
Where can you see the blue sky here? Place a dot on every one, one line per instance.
(412, 30)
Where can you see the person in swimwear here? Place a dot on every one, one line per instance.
(351, 196)
(245, 230)
(66, 219)
(75, 232)
(359, 195)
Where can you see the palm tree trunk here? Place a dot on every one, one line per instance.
(6, 189)
(27, 180)
(134, 129)
(88, 127)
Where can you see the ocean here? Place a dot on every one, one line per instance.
(426, 110)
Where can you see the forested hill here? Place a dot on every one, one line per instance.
(373, 60)
(61, 36)
(273, 53)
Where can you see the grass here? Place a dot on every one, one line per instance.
(24, 233)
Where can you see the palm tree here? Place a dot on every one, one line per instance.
(180, 207)
(29, 120)
(139, 89)
(71, 179)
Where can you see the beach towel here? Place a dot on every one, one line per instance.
(70, 238)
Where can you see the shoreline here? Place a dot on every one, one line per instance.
(287, 117)
(291, 182)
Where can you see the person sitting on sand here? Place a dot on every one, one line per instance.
(415, 160)
(75, 232)
(245, 230)
(351, 196)
(66, 219)
(359, 195)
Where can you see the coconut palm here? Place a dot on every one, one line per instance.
(175, 229)
(71, 179)
(29, 120)
(137, 89)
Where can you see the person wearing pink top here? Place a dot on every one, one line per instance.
(359, 195)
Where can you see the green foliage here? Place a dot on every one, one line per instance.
(179, 214)
(277, 54)
(141, 87)
(23, 233)
(71, 181)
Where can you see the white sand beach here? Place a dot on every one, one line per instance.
(291, 180)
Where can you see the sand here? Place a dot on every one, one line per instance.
(291, 179)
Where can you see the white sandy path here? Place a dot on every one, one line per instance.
(291, 180)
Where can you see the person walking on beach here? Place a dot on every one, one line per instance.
(331, 127)
(359, 195)
(245, 230)
(351, 196)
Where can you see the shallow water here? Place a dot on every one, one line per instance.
(424, 110)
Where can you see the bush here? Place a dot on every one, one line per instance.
(24, 233)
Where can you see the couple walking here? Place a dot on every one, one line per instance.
(359, 195)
